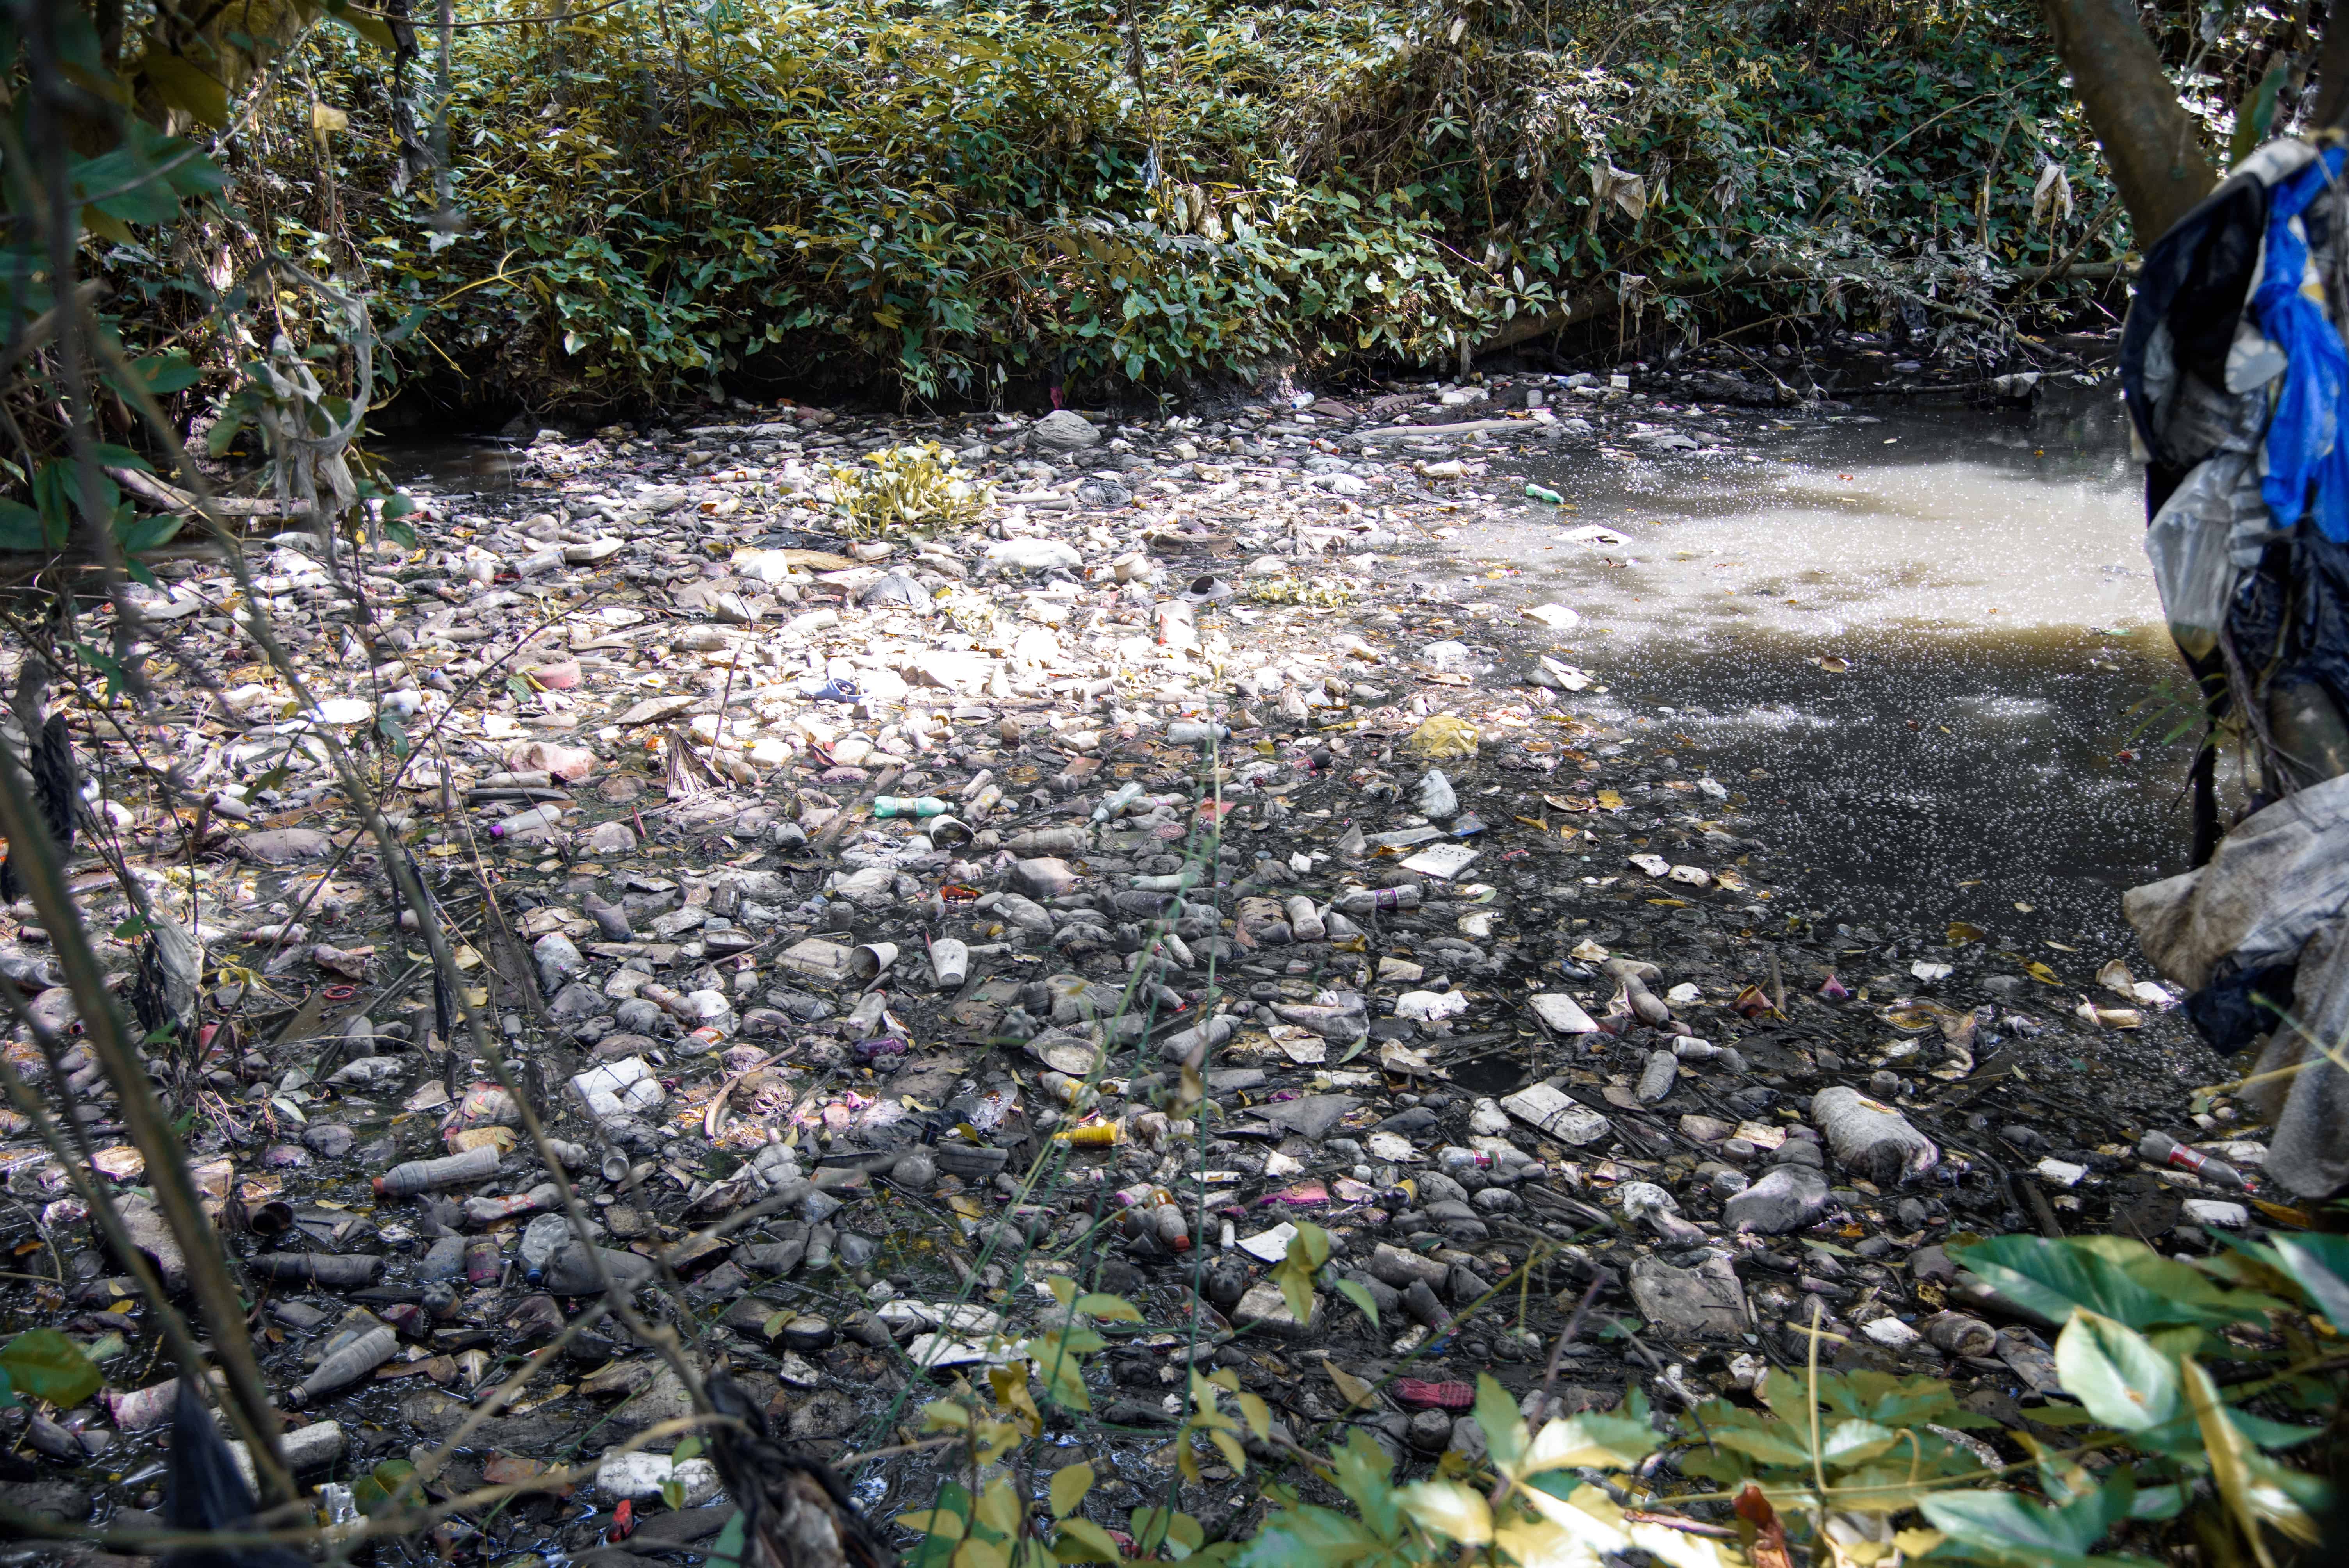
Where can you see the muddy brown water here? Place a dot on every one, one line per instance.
(1980, 575)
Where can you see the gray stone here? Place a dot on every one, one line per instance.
(1063, 430)
(1787, 1198)
(275, 846)
(1705, 1302)
(1046, 876)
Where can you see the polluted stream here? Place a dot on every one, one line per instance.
(1926, 641)
(874, 901)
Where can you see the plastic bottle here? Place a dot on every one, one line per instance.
(336, 1271)
(1304, 920)
(1190, 732)
(1069, 840)
(1172, 1228)
(1544, 494)
(348, 1366)
(2163, 1149)
(1125, 795)
(546, 816)
(1375, 900)
(908, 805)
(1958, 1334)
(1090, 1135)
(482, 1263)
(540, 1241)
(448, 1171)
(490, 1211)
(1870, 1139)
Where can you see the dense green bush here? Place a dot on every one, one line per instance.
(651, 197)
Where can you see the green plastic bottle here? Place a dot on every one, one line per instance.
(1544, 494)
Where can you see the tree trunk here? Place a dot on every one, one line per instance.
(2332, 67)
(2151, 144)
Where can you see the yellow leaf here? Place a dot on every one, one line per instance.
(1115, 1308)
(1960, 934)
(1082, 1540)
(946, 1413)
(1229, 1446)
(999, 1508)
(1010, 1386)
(1916, 1543)
(2040, 973)
(1567, 1445)
(977, 1554)
(1610, 800)
(943, 1522)
(2251, 1500)
(184, 84)
(1357, 1390)
(1258, 1414)
(106, 226)
(1069, 1484)
(1064, 1288)
(1449, 1509)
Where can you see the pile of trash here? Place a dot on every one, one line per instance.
(884, 928)
(2234, 367)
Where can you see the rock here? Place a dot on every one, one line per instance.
(571, 1272)
(1706, 1302)
(644, 1478)
(664, 1399)
(1063, 430)
(1263, 1307)
(277, 846)
(1787, 1198)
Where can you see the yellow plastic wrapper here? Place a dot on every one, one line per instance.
(1441, 735)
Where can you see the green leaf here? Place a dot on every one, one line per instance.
(725, 1552)
(1364, 1472)
(20, 527)
(1307, 1535)
(1309, 1249)
(2319, 1264)
(1353, 1292)
(1113, 1308)
(2001, 1527)
(400, 533)
(2256, 114)
(140, 535)
(2121, 1279)
(1178, 1533)
(45, 1365)
(2116, 1373)
(1082, 1540)
(134, 926)
(1505, 1427)
(689, 1448)
(374, 29)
